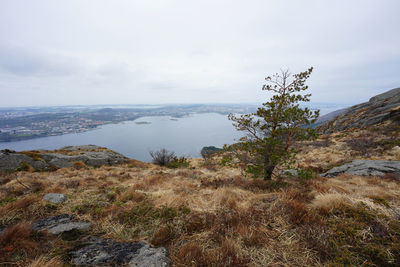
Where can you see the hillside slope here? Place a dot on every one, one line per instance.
(205, 214)
(379, 109)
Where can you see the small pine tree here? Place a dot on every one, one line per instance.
(276, 126)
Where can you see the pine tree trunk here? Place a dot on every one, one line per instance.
(268, 172)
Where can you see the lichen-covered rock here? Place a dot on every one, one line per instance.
(62, 161)
(55, 198)
(11, 160)
(90, 158)
(90, 155)
(365, 168)
(150, 257)
(60, 224)
(106, 252)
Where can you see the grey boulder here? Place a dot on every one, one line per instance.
(55, 198)
(60, 224)
(365, 168)
(106, 252)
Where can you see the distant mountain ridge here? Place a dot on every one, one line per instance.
(380, 108)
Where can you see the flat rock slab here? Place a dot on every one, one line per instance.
(106, 252)
(365, 168)
(60, 224)
(55, 198)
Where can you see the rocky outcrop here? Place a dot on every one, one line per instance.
(60, 224)
(106, 252)
(10, 160)
(378, 109)
(365, 168)
(90, 155)
(89, 158)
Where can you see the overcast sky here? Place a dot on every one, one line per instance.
(182, 51)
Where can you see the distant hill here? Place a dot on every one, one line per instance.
(381, 108)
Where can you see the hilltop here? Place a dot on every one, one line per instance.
(339, 205)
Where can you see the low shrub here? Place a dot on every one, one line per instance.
(181, 162)
(162, 157)
(169, 159)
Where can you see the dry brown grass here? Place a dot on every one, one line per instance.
(376, 193)
(190, 254)
(18, 205)
(43, 261)
(335, 149)
(20, 242)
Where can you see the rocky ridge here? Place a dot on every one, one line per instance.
(381, 108)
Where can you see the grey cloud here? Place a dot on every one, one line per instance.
(193, 51)
(21, 61)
